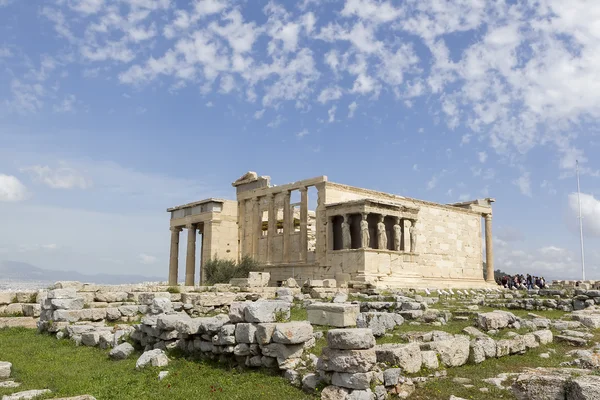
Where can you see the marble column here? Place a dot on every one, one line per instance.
(272, 226)
(256, 227)
(174, 258)
(288, 226)
(489, 249)
(406, 224)
(190, 260)
(303, 224)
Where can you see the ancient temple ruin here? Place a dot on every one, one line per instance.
(353, 235)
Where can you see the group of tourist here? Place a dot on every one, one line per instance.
(522, 282)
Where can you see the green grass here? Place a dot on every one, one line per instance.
(438, 389)
(43, 362)
(298, 313)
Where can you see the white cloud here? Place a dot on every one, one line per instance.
(432, 183)
(524, 184)
(329, 94)
(11, 189)
(590, 212)
(302, 133)
(331, 114)
(258, 114)
(147, 259)
(482, 155)
(352, 109)
(62, 177)
(67, 105)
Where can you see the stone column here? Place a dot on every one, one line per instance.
(174, 259)
(303, 224)
(190, 260)
(256, 227)
(406, 224)
(241, 228)
(489, 249)
(288, 226)
(272, 226)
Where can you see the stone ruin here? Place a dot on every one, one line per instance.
(247, 325)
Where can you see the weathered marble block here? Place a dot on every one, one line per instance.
(330, 314)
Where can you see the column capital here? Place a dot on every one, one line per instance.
(303, 189)
(488, 217)
(176, 229)
(190, 226)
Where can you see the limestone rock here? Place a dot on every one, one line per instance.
(5, 369)
(379, 322)
(481, 348)
(430, 359)
(264, 333)
(334, 393)
(266, 311)
(161, 305)
(350, 361)
(67, 304)
(358, 381)
(453, 352)
(293, 332)
(340, 298)
(350, 339)
(495, 320)
(543, 336)
(245, 333)
(310, 382)
(340, 315)
(68, 293)
(26, 395)
(168, 322)
(391, 376)
(156, 358)
(406, 356)
(282, 351)
(121, 352)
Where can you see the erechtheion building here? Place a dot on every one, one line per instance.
(352, 235)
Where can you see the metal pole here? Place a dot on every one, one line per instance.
(580, 223)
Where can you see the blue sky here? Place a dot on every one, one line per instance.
(112, 111)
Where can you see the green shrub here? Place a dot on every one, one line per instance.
(222, 271)
(173, 289)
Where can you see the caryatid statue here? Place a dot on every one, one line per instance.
(346, 238)
(413, 237)
(365, 237)
(381, 234)
(397, 235)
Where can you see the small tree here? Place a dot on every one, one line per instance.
(222, 271)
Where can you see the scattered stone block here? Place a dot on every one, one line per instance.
(267, 311)
(5, 369)
(453, 352)
(156, 358)
(359, 381)
(406, 356)
(328, 314)
(351, 361)
(350, 339)
(495, 320)
(121, 352)
(293, 332)
(334, 393)
(379, 322)
(26, 395)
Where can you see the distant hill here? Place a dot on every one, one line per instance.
(16, 270)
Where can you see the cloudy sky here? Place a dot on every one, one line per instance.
(113, 110)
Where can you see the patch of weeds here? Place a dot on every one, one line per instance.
(281, 316)
(173, 289)
(298, 313)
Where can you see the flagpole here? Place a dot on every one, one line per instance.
(580, 223)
